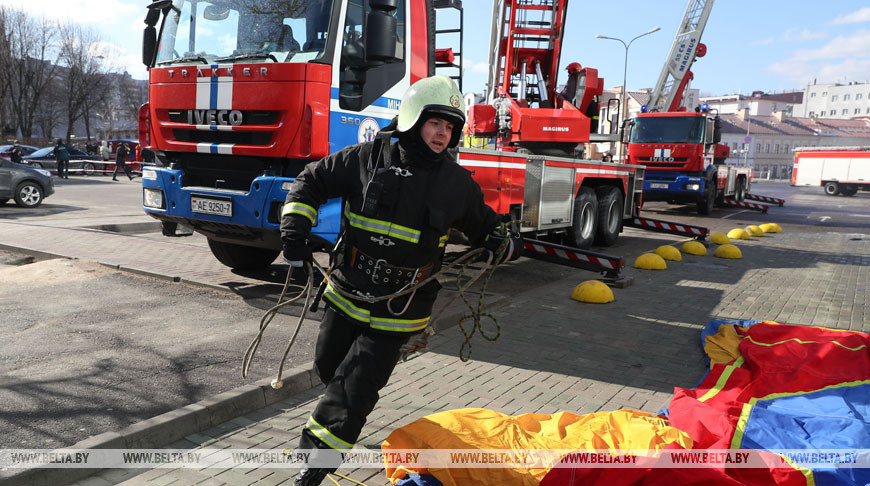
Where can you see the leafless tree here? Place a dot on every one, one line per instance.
(82, 54)
(51, 108)
(29, 64)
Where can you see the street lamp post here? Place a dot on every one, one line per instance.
(624, 77)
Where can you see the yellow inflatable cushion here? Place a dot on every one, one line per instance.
(722, 347)
(668, 252)
(650, 261)
(477, 428)
(694, 248)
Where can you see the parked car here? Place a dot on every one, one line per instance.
(79, 162)
(6, 150)
(29, 186)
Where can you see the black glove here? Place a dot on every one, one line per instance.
(513, 250)
(297, 252)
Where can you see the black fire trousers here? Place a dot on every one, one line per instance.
(354, 363)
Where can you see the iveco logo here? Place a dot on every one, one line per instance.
(556, 129)
(214, 117)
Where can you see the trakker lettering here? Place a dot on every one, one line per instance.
(214, 117)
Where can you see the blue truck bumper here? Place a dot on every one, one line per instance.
(252, 217)
(667, 186)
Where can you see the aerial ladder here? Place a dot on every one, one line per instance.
(523, 110)
(676, 73)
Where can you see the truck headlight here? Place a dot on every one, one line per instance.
(152, 198)
(149, 174)
(693, 187)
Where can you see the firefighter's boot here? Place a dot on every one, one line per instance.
(312, 476)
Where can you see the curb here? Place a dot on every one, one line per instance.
(156, 432)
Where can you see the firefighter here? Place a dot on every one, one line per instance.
(400, 199)
(569, 92)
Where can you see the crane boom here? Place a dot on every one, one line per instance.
(686, 47)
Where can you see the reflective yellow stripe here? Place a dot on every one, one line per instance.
(381, 227)
(399, 325)
(723, 379)
(442, 242)
(346, 306)
(300, 208)
(327, 437)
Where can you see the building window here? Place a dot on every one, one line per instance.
(859, 96)
(733, 145)
(758, 147)
(822, 114)
(824, 93)
(812, 95)
(845, 97)
(767, 148)
(744, 146)
(834, 98)
(776, 149)
(857, 110)
(785, 148)
(868, 109)
(845, 111)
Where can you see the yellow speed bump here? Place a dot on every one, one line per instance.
(593, 292)
(669, 253)
(738, 234)
(770, 228)
(728, 251)
(693, 248)
(754, 231)
(650, 261)
(719, 238)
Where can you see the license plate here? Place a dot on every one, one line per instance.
(206, 205)
(657, 185)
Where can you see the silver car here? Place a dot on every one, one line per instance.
(27, 185)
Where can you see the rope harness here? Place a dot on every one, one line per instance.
(308, 291)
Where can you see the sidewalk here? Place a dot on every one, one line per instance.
(557, 354)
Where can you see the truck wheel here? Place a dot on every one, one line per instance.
(241, 257)
(708, 200)
(610, 208)
(849, 190)
(583, 227)
(28, 195)
(740, 194)
(832, 188)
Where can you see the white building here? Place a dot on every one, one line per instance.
(836, 101)
(758, 103)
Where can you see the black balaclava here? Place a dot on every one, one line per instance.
(417, 149)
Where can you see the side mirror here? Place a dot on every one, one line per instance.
(149, 45)
(380, 33)
(717, 131)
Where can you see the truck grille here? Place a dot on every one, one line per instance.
(220, 171)
(237, 138)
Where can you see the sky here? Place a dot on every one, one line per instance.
(767, 45)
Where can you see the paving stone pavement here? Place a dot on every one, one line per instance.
(556, 354)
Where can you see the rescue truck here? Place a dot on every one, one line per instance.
(839, 170)
(680, 149)
(244, 93)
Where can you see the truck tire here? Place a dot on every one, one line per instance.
(849, 190)
(610, 209)
(241, 257)
(740, 194)
(583, 227)
(832, 188)
(708, 200)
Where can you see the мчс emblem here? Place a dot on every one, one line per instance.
(454, 101)
(367, 130)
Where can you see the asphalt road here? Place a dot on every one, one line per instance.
(90, 348)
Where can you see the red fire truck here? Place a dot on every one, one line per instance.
(680, 149)
(244, 93)
(839, 170)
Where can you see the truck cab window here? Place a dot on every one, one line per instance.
(363, 81)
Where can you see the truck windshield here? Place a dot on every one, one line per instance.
(679, 129)
(204, 32)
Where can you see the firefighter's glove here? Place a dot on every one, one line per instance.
(512, 249)
(296, 252)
